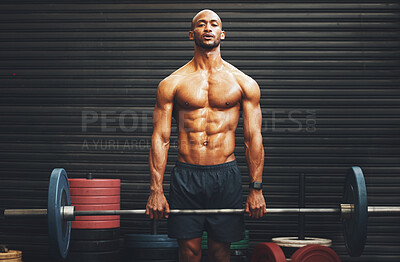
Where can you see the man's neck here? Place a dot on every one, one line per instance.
(208, 60)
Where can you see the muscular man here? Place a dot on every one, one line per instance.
(205, 97)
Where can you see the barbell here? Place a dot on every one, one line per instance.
(354, 212)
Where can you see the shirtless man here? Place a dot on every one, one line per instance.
(205, 97)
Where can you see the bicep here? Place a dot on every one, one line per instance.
(162, 114)
(252, 116)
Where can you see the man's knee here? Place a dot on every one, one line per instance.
(218, 251)
(190, 250)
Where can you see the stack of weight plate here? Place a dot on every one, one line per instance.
(11, 255)
(238, 249)
(95, 238)
(145, 247)
(290, 245)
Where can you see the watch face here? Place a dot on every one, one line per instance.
(256, 185)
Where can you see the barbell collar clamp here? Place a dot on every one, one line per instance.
(68, 213)
(346, 211)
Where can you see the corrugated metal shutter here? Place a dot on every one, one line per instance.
(78, 83)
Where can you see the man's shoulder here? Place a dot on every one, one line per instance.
(246, 82)
(174, 78)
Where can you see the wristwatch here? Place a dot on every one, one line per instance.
(256, 185)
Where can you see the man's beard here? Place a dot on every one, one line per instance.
(207, 46)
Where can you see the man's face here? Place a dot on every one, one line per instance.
(207, 30)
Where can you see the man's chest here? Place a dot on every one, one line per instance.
(217, 91)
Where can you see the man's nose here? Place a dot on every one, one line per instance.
(207, 27)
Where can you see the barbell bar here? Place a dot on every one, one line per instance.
(70, 214)
(354, 212)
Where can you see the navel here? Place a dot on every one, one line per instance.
(205, 143)
(227, 103)
(186, 103)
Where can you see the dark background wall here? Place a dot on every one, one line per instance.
(78, 82)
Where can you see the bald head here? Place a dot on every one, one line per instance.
(202, 13)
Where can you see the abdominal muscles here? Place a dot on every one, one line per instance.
(206, 136)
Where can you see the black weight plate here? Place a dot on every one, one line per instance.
(111, 256)
(149, 253)
(355, 228)
(160, 244)
(59, 229)
(146, 238)
(94, 245)
(95, 234)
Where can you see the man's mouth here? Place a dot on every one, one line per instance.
(208, 36)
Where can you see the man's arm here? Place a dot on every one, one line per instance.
(254, 150)
(157, 204)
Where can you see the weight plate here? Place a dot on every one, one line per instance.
(83, 182)
(88, 207)
(95, 191)
(296, 242)
(147, 238)
(268, 252)
(91, 218)
(101, 245)
(11, 254)
(110, 256)
(355, 227)
(315, 253)
(95, 200)
(161, 244)
(59, 229)
(95, 234)
(95, 224)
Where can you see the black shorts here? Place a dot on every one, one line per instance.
(206, 187)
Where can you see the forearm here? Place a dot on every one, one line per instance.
(254, 151)
(158, 162)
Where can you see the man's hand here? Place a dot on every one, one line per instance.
(157, 206)
(255, 204)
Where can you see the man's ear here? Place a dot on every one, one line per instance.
(222, 35)
(191, 35)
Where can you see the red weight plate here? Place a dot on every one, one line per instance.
(81, 207)
(95, 200)
(82, 182)
(91, 218)
(315, 253)
(267, 252)
(95, 224)
(95, 191)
